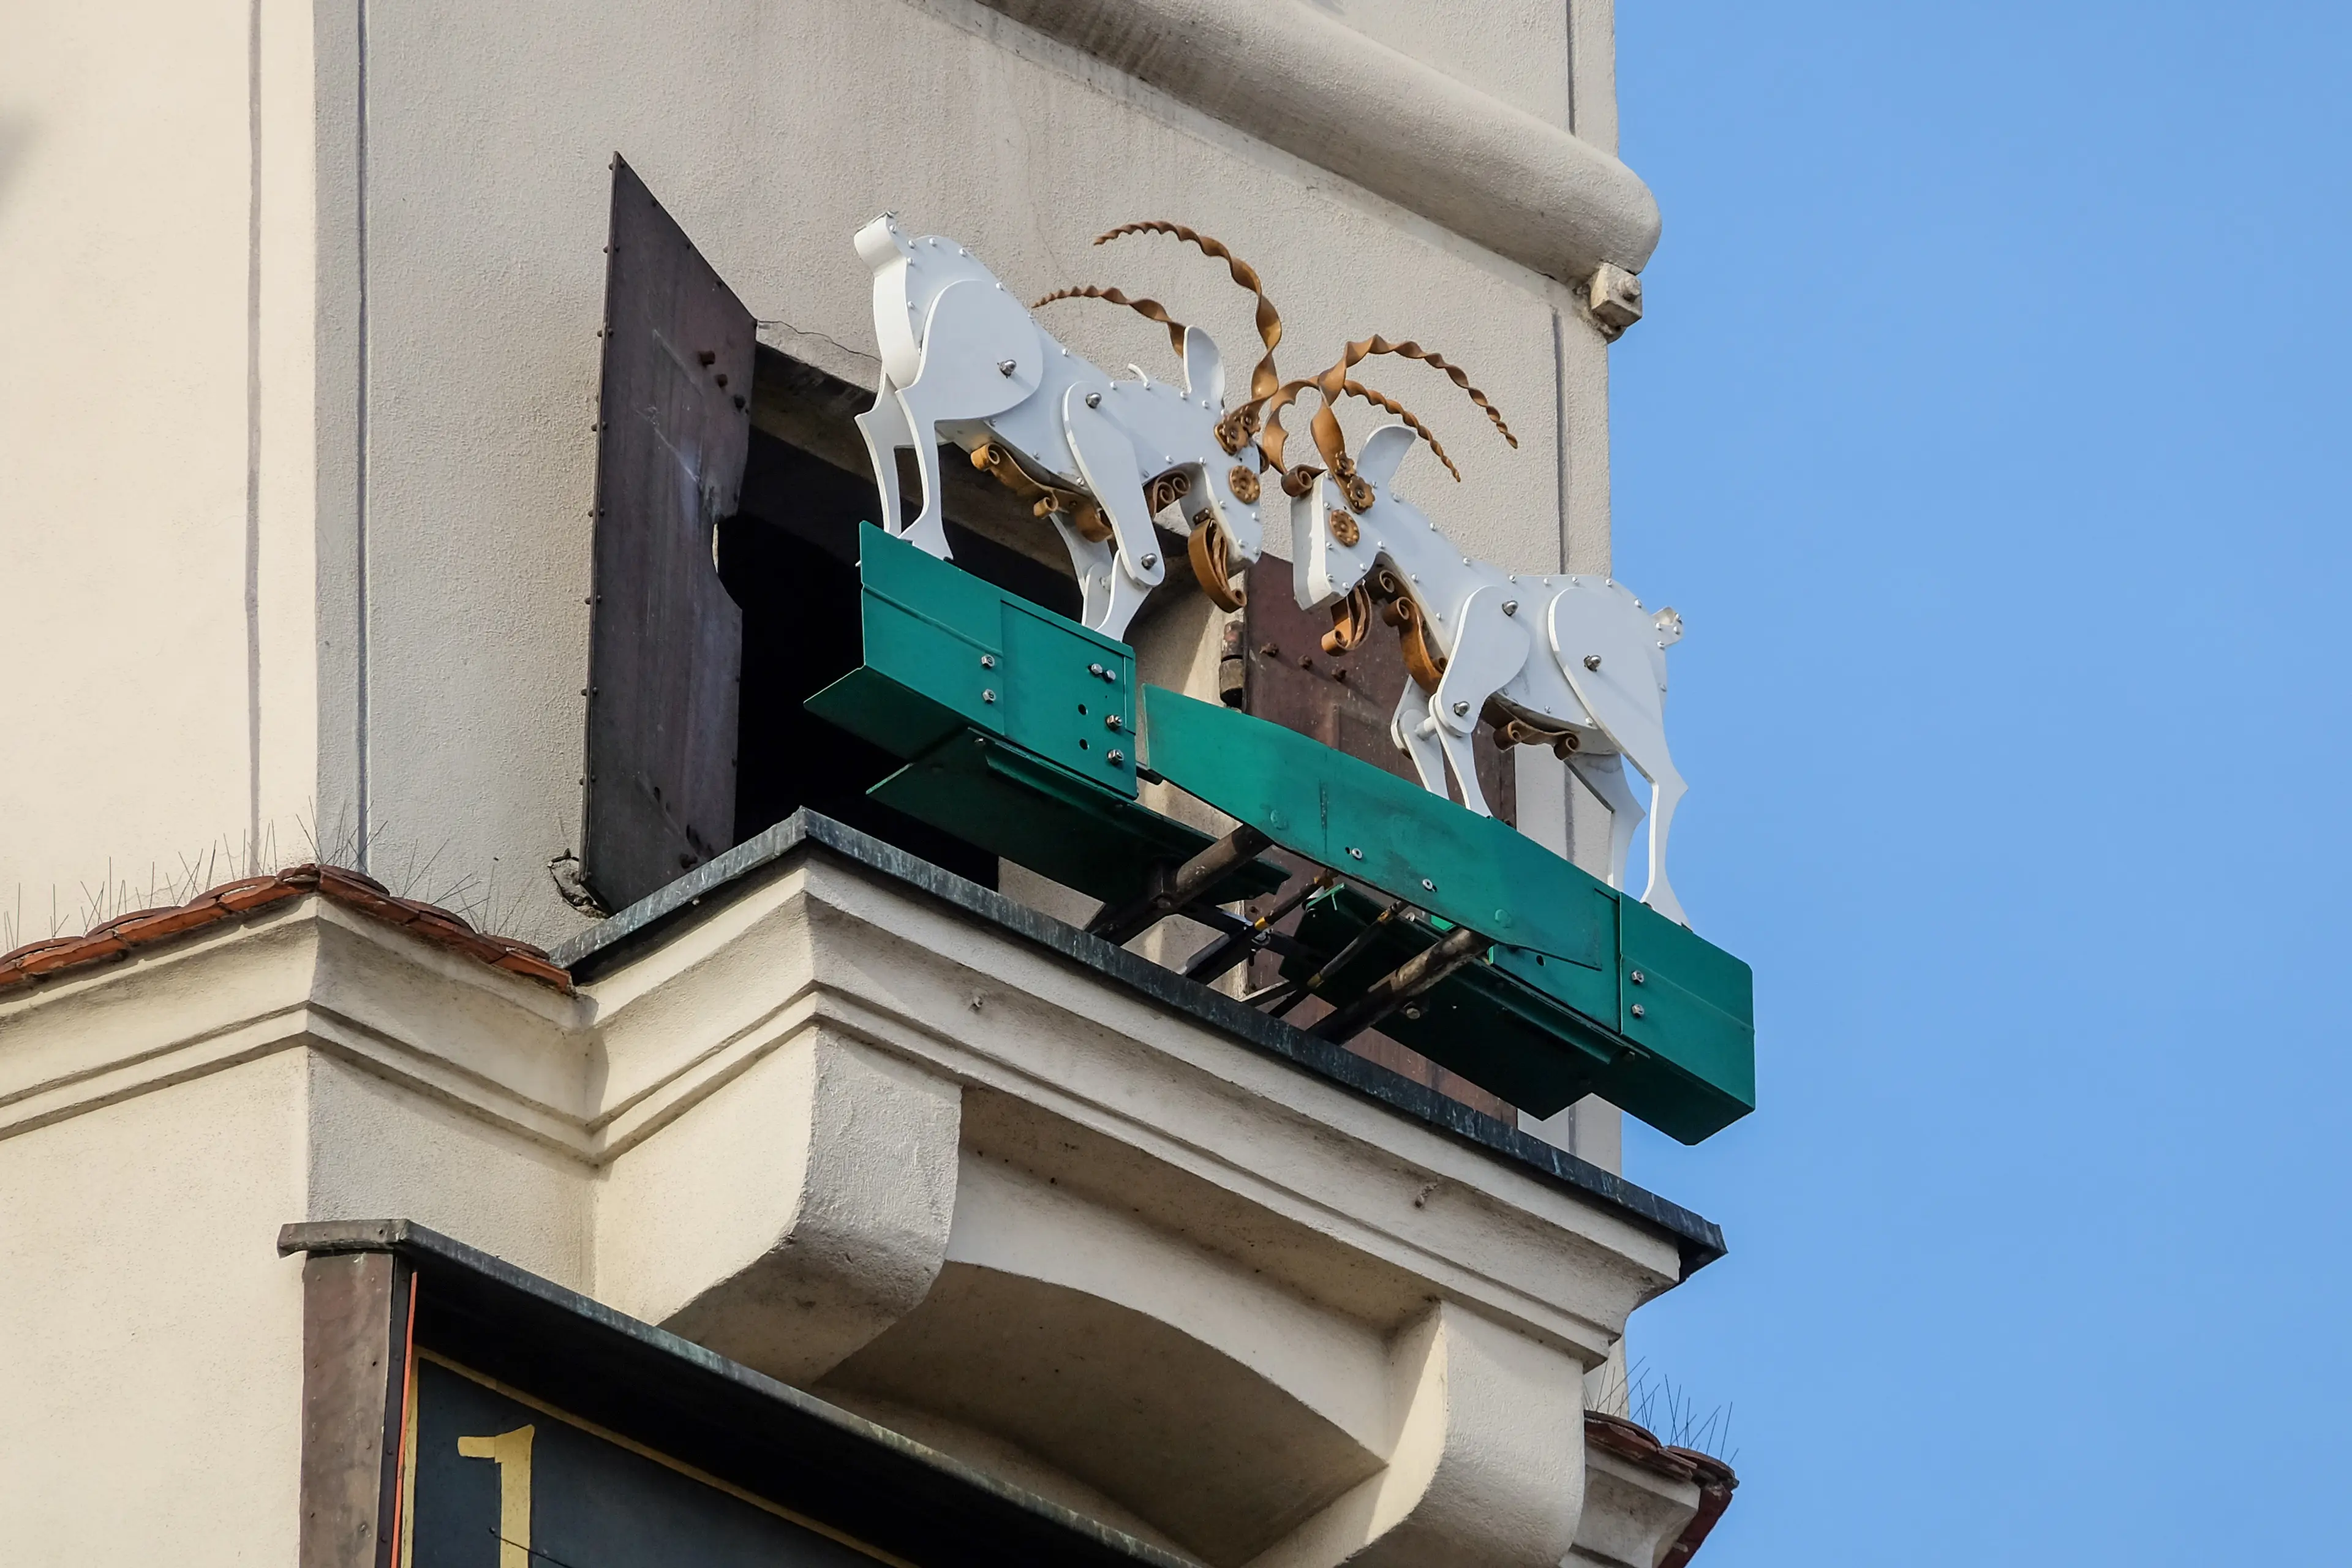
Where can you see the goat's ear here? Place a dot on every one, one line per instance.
(1383, 450)
(1204, 368)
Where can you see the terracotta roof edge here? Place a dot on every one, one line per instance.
(356, 890)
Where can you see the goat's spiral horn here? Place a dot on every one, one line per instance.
(1264, 382)
(1334, 382)
(1381, 400)
(1151, 309)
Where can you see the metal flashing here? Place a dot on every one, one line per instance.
(530, 1329)
(612, 941)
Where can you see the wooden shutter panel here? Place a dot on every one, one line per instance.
(1344, 702)
(665, 642)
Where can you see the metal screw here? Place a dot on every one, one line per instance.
(1111, 721)
(1355, 854)
(1428, 886)
(988, 661)
(1094, 400)
(988, 696)
(1636, 1009)
(1094, 670)
(1116, 759)
(1150, 562)
(1006, 366)
(1592, 661)
(1637, 977)
(1510, 606)
(1413, 1011)
(1460, 709)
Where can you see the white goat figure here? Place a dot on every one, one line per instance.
(1574, 661)
(962, 361)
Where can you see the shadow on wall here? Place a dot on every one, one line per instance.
(15, 150)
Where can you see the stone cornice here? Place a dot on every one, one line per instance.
(1318, 90)
(1192, 1129)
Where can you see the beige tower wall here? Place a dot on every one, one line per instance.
(153, 1347)
(125, 204)
(328, 588)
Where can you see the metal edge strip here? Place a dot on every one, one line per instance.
(419, 1244)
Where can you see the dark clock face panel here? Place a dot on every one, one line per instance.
(499, 1482)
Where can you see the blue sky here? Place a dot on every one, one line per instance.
(1989, 426)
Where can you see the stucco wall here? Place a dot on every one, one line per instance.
(151, 1345)
(125, 178)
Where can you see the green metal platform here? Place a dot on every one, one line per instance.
(1017, 725)
(1020, 730)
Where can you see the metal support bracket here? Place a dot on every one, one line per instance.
(1172, 890)
(1416, 974)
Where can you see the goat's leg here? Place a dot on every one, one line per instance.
(981, 355)
(1107, 459)
(1094, 562)
(1489, 648)
(1666, 789)
(1411, 729)
(1604, 773)
(928, 530)
(1464, 757)
(886, 430)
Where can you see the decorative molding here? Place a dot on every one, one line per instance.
(1315, 87)
(828, 949)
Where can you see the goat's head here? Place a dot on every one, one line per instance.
(1225, 527)
(1340, 513)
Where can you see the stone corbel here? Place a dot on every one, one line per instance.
(792, 1218)
(1488, 1463)
(1632, 1512)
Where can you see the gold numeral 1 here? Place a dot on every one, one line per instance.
(510, 1451)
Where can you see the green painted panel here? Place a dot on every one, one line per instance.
(1381, 830)
(1517, 1026)
(946, 652)
(874, 707)
(1060, 709)
(1081, 834)
(1577, 982)
(1020, 728)
(1484, 1022)
(1018, 724)
(1698, 1002)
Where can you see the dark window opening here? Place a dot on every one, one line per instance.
(716, 451)
(788, 559)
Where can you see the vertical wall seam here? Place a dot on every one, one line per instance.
(1568, 16)
(253, 436)
(359, 463)
(1566, 440)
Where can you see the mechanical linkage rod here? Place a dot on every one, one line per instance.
(1173, 891)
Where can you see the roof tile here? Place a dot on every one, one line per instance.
(352, 890)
